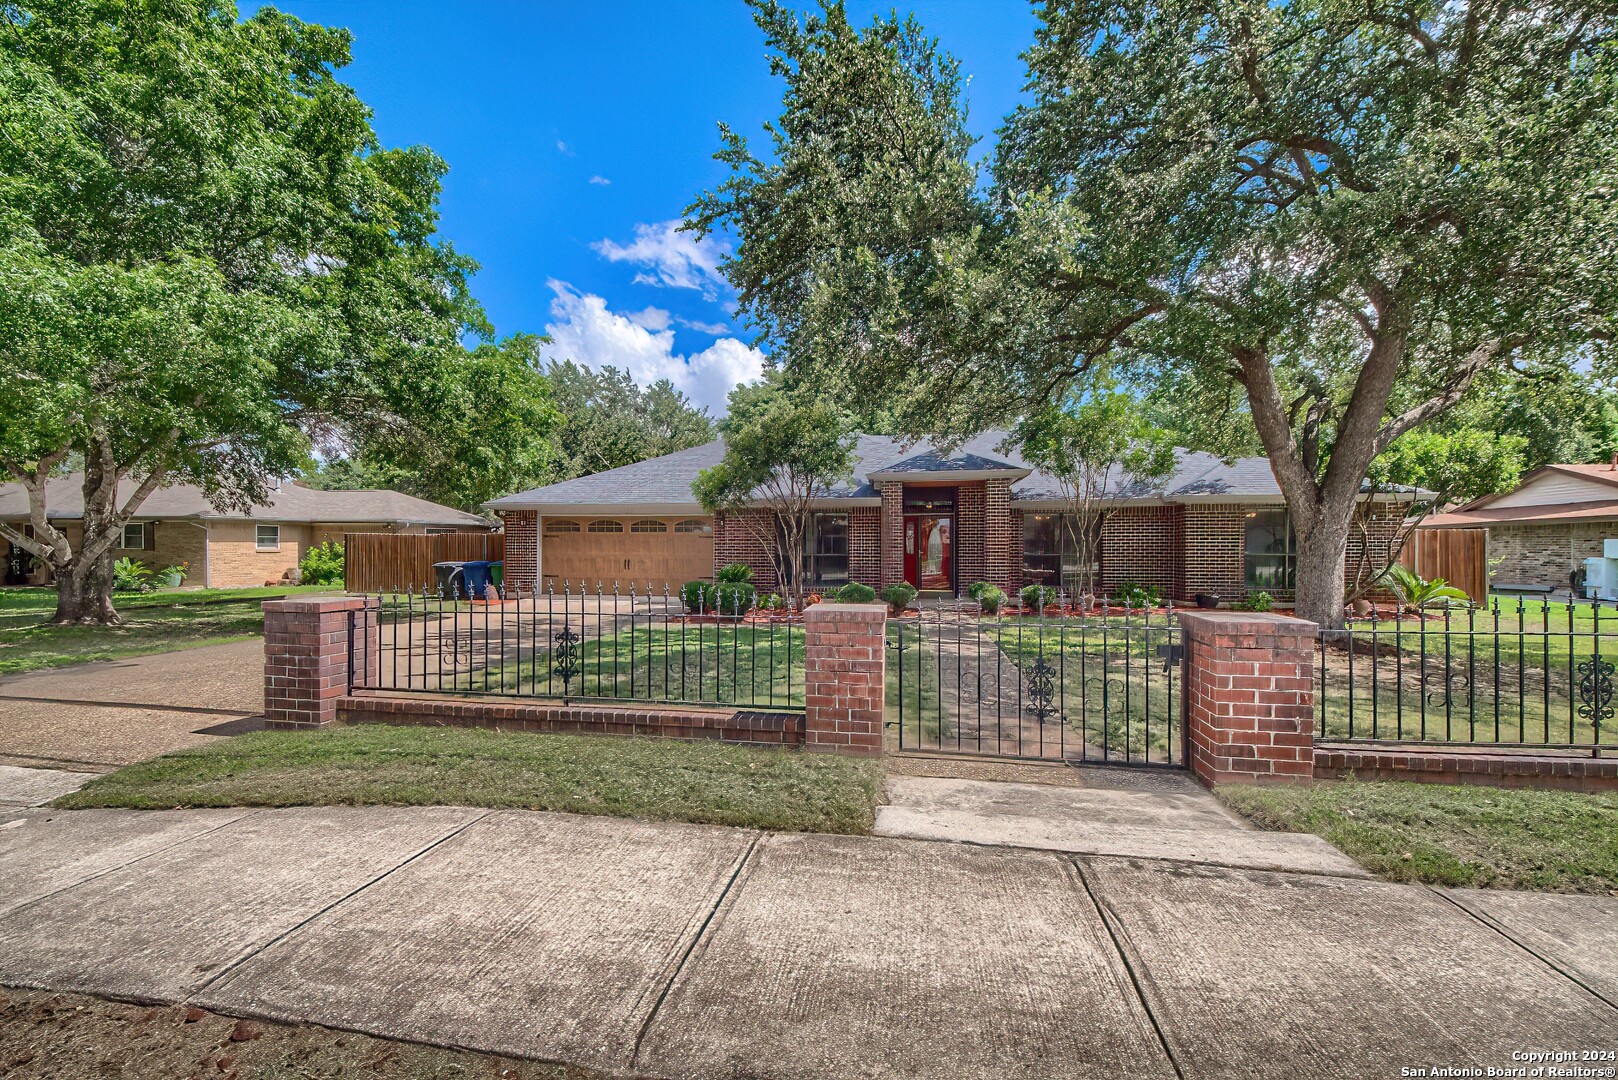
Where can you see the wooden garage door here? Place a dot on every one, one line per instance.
(621, 551)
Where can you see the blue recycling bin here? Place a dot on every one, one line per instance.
(476, 575)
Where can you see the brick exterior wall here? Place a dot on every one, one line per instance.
(522, 548)
(971, 560)
(1472, 766)
(723, 725)
(1545, 554)
(865, 545)
(1250, 703)
(1002, 537)
(738, 541)
(845, 677)
(309, 659)
(1214, 551)
(1385, 521)
(893, 544)
(1143, 544)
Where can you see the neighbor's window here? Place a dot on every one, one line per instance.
(1271, 551)
(648, 525)
(558, 527)
(134, 536)
(825, 549)
(694, 525)
(267, 537)
(604, 526)
(1050, 551)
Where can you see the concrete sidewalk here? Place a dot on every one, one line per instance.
(691, 951)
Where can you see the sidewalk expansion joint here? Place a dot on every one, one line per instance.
(1503, 931)
(289, 931)
(719, 902)
(170, 846)
(1117, 935)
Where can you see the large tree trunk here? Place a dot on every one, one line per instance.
(84, 591)
(1321, 560)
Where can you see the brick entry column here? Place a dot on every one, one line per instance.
(845, 677)
(307, 656)
(893, 532)
(1250, 701)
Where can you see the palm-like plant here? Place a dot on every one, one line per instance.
(1415, 592)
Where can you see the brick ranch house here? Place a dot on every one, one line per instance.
(226, 549)
(1541, 531)
(939, 520)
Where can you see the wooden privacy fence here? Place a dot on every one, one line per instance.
(394, 562)
(1459, 556)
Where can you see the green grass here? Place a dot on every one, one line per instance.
(1468, 836)
(41, 600)
(657, 779)
(153, 623)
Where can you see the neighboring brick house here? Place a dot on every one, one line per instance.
(225, 548)
(1542, 531)
(940, 520)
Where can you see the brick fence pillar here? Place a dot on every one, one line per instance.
(308, 654)
(845, 677)
(1250, 703)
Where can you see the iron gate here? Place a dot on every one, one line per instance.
(1103, 687)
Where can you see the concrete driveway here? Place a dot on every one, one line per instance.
(102, 715)
(693, 951)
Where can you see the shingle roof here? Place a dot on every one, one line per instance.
(64, 497)
(666, 481)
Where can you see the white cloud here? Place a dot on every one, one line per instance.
(563, 148)
(714, 328)
(600, 180)
(585, 331)
(671, 258)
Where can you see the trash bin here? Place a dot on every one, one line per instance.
(497, 574)
(476, 575)
(451, 580)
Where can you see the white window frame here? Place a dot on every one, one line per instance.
(123, 537)
(258, 542)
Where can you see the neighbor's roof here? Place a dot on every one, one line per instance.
(1543, 513)
(1603, 473)
(663, 485)
(64, 497)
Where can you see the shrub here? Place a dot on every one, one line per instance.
(1036, 597)
(1259, 601)
(854, 593)
(990, 598)
(131, 576)
(1134, 594)
(772, 602)
(898, 596)
(698, 597)
(734, 598)
(322, 565)
(736, 572)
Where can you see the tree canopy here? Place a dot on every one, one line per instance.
(1338, 216)
(608, 420)
(208, 264)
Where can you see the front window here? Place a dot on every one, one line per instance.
(1271, 551)
(825, 549)
(267, 537)
(1050, 551)
(134, 536)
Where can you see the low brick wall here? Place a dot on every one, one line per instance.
(845, 677)
(309, 654)
(725, 725)
(1470, 766)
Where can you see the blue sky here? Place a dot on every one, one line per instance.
(576, 133)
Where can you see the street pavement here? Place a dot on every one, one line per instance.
(692, 951)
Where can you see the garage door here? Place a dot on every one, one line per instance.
(621, 551)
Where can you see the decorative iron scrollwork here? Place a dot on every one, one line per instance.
(455, 649)
(1595, 692)
(1041, 688)
(565, 660)
(1455, 686)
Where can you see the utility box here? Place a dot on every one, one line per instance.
(1601, 578)
(1609, 549)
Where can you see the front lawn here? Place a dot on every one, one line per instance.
(657, 779)
(153, 623)
(1477, 837)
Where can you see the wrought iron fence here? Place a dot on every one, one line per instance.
(1524, 675)
(579, 644)
(1102, 686)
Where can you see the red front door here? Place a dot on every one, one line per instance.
(929, 562)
